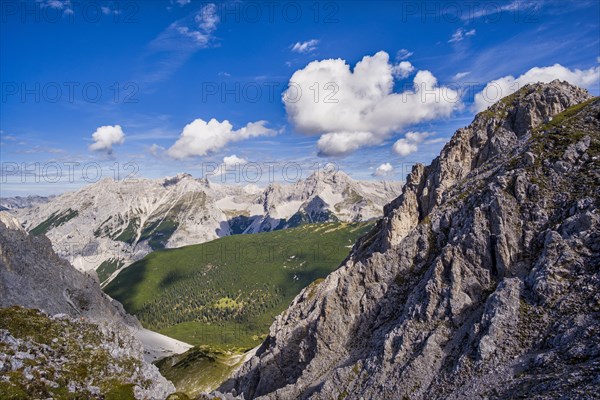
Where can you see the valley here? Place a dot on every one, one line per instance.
(339, 200)
(481, 277)
(222, 296)
(226, 293)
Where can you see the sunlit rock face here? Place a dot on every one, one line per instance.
(481, 280)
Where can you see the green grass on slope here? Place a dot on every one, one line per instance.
(200, 369)
(226, 293)
(56, 219)
(66, 353)
(106, 269)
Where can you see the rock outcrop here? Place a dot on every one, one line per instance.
(481, 281)
(33, 276)
(44, 356)
(82, 343)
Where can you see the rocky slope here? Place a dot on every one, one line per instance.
(33, 276)
(61, 357)
(481, 281)
(35, 345)
(110, 224)
(12, 203)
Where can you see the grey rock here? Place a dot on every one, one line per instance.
(529, 159)
(480, 281)
(33, 276)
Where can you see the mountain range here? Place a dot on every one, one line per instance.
(110, 224)
(13, 203)
(480, 281)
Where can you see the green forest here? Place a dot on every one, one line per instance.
(226, 293)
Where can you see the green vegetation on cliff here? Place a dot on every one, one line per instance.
(60, 358)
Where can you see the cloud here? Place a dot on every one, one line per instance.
(409, 143)
(65, 5)
(403, 54)
(40, 149)
(499, 88)
(57, 4)
(384, 170)
(106, 137)
(342, 143)
(200, 137)
(155, 149)
(178, 42)
(402, 70)
(201, 31)
(461, 34)
(234, 160)
(107, 10)
(230, 163)
(208, 19)
(183, 2)
(460, 75)
(200, 38)
(488, 10)
(358, 108)
(305, 47)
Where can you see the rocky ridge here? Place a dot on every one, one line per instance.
(81, 342)
(59, 356)
(481, 281)
(33, 276)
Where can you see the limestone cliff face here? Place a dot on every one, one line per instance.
(482, 279)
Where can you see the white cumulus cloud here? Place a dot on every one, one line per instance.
(234, 160)
(358, 108)
(199, 137)
(384, 169)
(402, 70)
(507, 85)
(106, 137)
(305, 47)
(230, 163)
(409, 143)
(340, 143)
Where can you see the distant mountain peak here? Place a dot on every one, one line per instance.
(177, 178)
(123, 221)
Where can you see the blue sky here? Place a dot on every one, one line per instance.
(145, 70)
